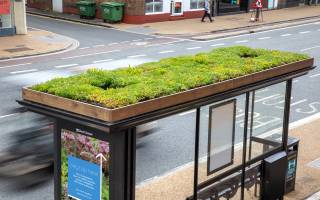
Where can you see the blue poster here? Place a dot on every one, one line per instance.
(83, 179)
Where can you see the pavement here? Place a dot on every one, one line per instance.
(223, 26)
(36, 42)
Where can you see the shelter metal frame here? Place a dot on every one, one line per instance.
(122, 136)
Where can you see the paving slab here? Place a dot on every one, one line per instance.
(36, 42)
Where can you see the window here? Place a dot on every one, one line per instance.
(196, 4)
(154, 6)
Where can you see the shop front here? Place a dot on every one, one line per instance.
(232, 6)
(6, 18)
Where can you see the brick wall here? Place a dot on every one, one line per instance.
(40, 4)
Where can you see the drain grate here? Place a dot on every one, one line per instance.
(315, 163)
(19, 49)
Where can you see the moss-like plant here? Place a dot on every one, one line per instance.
(125, 86)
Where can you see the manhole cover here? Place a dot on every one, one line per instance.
(18, 49)
(315, 163)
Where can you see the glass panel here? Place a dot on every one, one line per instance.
(229, 5)
(158, 6)
(266, 131)
(193, 4)
(165, 158)
(236, 160)
(196, 4)
(200, 4)
(154, 6)
(149, 6)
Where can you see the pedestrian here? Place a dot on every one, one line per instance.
(206, 11)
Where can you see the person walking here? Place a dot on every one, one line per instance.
(206, 11)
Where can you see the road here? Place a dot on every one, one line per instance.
(104, 48)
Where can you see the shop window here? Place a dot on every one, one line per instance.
(154, 6)
(196, 4)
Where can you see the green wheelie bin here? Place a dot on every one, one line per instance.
(112, 11)
(87, 9)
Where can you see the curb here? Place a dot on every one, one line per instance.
(256, 28)
(68, 19)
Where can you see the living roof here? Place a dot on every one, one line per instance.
(130, 85)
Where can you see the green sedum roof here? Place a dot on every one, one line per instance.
(125, 86)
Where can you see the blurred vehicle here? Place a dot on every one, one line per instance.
(146, 129)
(29, 159)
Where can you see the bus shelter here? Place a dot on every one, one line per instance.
(233, 144)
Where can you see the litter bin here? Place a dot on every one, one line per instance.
(87, 9)
(112, 11)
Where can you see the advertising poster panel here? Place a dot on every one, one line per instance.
(84, 167)
(221, 136)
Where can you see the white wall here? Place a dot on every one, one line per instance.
(20, 17)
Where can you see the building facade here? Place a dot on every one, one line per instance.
(12, 17)
(145, 11)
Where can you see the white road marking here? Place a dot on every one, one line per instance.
(192, 48)
(99, 45)
(124, 42)
(24, 71)
(307, 49)
(148, 38)
(298, 102)
(165, 43)
(114, 43)
(304, 32)
(84, 48)
(9, 115)
(264, 38)
(64, 66)
(187, 113)
(136, 40)
(99, 61)
(295, 81)
(91, 54)
(314, 75)
(316, 23)
(137, 56)
(169, 51)
(262, 90)
(219, 44)
(265, 98)
(286, 35)
(17, 65)
(241, 41)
